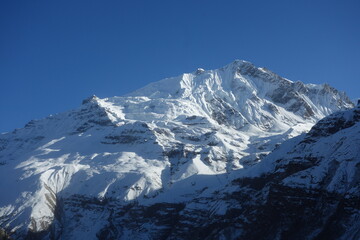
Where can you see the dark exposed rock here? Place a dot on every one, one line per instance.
(4, 235)
(333, 124)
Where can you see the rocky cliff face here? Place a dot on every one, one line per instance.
(308, 188)
(180, 158)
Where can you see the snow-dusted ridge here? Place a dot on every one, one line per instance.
(167, 142)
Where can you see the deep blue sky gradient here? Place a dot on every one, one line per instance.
(53, 54)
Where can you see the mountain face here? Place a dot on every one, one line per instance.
(308, 188)
(187, 158)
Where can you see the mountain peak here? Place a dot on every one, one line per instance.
(166, 143)
(91, 99)
(199, 71)
(239, 63)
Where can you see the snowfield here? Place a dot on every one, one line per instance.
(173, 142)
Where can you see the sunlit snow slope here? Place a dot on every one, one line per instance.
(153, 145)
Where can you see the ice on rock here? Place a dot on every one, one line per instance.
(199, 71)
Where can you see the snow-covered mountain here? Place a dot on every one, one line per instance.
(134, 166)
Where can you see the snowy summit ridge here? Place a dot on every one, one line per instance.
(159, 144)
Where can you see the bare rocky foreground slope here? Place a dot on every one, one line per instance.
(187, 158)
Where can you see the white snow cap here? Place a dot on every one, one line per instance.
(199, 71)
(171, 141)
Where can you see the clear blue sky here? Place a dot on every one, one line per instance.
(53, 54)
